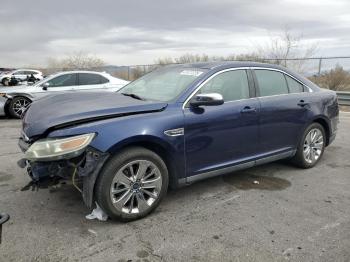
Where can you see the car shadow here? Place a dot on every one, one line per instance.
(67, 200)
(261, 177)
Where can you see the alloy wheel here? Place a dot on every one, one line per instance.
(20, 105)
(313, 145)
(136, 186)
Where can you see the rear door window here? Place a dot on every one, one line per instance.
(103, 80)
(89, 79)
(294, 86)
(271, 82)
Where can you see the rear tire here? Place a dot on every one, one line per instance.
(18, 105)
(5, 82)
(311, 146)
(132, 184)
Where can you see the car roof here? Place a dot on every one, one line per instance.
(228, 64)
(81, 71)
(105, 74)
(25, 69)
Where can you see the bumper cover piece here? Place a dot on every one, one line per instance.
(88, 166)
(94, 162)
(3, 219)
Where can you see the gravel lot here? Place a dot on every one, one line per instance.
(292, 214)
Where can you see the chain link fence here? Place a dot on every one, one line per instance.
(328, 72)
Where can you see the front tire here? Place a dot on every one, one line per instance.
(18, 105)
(132, 184)
(311, 146)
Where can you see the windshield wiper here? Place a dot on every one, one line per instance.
(133, 96)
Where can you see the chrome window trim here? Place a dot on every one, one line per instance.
(284, 72)
(208, 79)
(246, 68)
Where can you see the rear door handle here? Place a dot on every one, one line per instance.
(302, 103)
(248, 109)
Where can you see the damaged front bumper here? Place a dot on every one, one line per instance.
(83, 168)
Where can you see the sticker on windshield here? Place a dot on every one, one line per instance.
(191, 73)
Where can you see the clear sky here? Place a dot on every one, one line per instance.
(137, 32)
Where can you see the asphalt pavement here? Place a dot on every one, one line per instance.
(289, 214)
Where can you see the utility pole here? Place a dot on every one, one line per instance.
(319, 66)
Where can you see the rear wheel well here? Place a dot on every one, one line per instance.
(6, 106)
(325, 125)
(162, 152)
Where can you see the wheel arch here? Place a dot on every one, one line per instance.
(156, 145)
(14, 95)
(324, 122)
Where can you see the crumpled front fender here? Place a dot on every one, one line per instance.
(87, 167)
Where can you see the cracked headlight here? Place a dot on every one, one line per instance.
(58, 148)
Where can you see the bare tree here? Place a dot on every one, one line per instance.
(281, 48)
(164, 61)
(192, 58)
(183, 59)
(247, 57)
(78, 60)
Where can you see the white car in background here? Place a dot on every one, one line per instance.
(15, 100)
(19, 74)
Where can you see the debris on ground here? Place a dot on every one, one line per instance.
(97, 213)
(92, 232)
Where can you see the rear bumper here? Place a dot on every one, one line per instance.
(333, 128)
(2, 105)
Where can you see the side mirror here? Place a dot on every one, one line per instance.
(213, 99)
(45, 86)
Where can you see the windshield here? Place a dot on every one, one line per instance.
(164, 84)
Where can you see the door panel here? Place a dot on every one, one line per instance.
(220, 136)
(282, 117)
(281, 122)
(20, 75)
(225, 135)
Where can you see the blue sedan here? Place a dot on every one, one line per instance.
(174, 126)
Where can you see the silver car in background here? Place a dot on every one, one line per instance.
(15, 100)
(20, 74)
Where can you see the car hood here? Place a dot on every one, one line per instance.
(19, 89)
(62, 110)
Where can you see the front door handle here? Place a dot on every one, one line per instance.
(302, 103)
(248, 109)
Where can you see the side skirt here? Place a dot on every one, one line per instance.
(213, 173)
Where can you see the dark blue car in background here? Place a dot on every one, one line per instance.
(174, 126)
